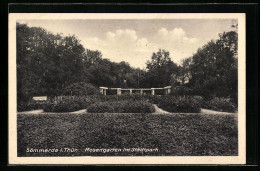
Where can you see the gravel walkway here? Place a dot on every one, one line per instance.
(42, 112)
(203, 111)
(207, 111)
(159, 110)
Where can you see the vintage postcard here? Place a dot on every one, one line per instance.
(126, 88)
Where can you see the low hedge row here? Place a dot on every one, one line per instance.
(220, 104)
(133, 103)
(73, 103)
(69, 103)
(30, 106)
(123, 106)
(90, 99)
(65, 106)
(62, 106)
(183, 104)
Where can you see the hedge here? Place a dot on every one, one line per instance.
(220, 104)
(65, 106)
(122, 106)
(181, 104)
(30, 106)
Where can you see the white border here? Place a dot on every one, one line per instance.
(12, 92)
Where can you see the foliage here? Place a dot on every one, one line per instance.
(80, 89)
(92, 57)
(74, 103)
(54, 65)
(160, 68)
(134, 97)
(184, 73)
(30, 106)
(181, 90)
(65, 107)
(122, 106)
(112, 103)
(155, 99)
(101, 107)
(173, 135)
(46, 63)
(214, 67)
(220, 104)
(69, 105)
(181, 104)
(101, 98)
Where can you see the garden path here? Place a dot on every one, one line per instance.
(203, 111)
(158, 110)
(207, 111)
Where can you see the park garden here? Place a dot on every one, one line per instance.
(76, 114)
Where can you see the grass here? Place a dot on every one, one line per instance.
(172, 134)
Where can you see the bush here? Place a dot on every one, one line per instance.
(140, 106)
(101, 107)
(183, 104)
(122, 106)
(66, 107)
(70, 105)
(156, 99)
(125, 97)
(30, 106)
(220, 104)
(48, 107)
(198, 98)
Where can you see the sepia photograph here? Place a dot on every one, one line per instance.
(119, 88)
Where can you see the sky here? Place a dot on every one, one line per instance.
(134, 40)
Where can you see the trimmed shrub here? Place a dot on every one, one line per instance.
(30, 106)
(125, 97)
(198, 98)
(156, 99)
(220, 104)
(181, 104)
(122, 106)
(101, 107)
(140, 106)
(65, 106)
(48, 107)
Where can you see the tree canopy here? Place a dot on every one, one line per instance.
(49, 64)
(213, 68)
(160, 69)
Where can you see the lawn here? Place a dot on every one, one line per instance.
(170, 134)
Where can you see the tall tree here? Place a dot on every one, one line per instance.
(214, 67)
(160, 68)
(45, 62)
(184, 74)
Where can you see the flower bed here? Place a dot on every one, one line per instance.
(220, 104)
(181, 104)
(65, 106)
(119, 104)
(30, 106)
(122, 106)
